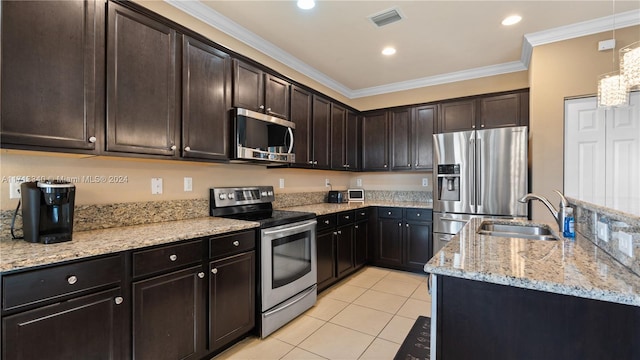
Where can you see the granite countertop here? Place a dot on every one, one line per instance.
(330, 208)
(19, 254)
(570, 267)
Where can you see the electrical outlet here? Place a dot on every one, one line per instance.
(425, 181)
(358, 182)
(327, 183)
(14, 188)
(281, 183)
(603, 231)
(188, 184)
(625, 243)
(156, 186)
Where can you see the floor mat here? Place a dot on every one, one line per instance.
(417, 345)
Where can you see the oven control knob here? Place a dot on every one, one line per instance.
(230, 196)
(270, 193)
(264, 193)
(222, 196)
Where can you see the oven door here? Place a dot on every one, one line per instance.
(288, 261)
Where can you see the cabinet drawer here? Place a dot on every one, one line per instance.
(231, 244)
(327, 222)
(347, 217)
(45, 284)
(363, 214)
(390, 213)
(166, 258)
(418, 214)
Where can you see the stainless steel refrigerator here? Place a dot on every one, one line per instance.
(478, 173)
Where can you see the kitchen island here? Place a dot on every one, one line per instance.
(511, 298)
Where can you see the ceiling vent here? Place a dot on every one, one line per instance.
(386, 17)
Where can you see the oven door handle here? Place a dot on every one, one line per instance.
(294, 301)
(306, 224)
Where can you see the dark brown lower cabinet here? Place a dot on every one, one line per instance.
(479, 320)
(361, 238)
(325, 255)
(169, 315)
(345, 247)
(231, 299)
(87, 327)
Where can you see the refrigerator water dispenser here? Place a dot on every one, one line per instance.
(449, 182)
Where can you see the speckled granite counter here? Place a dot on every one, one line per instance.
(326, 208)
(577, 268)
(18, 254)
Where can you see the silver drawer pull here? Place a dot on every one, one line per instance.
(418, 214)
(214, 270)
(93, 139)
(362, 213)
(201, 275)
(173, 257)
(118, 300)
(357, 227)
(339, 232)
(346, 217)
(389, 213)
(236, 243)
(72, 279)
(326, 222)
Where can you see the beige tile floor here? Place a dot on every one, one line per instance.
(365, 316)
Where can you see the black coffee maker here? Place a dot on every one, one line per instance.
(47, 211)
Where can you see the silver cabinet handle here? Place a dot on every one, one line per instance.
(187, 148)
(389, 213)
(201, 275)
(418, 214)
(72, 279)
(173, 257)
(118, 300)
(362, 213)
(399, 224)
(409, 165)
(173, 147)
(315, 162)
(236, 243)
(268, 109)
(311, 162)
(340, 232)
(385, 165)
(261, 107)
(326, 222)
(214, 270)
(407, 225)
(356, 227)
(346, 217)
(93, 139)
(335, 233)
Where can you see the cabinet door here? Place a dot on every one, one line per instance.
(321, 132)
(422, 137)
(500, 111)
(375, 151)
(418, 245)
(88, 327)
(206, 86)
(338, 138)
(345, 250)
(361, 239)
(232, 299)
(389, 241)
(52, 63)
(248, 87)
(457, 116)
(276, 96)
(169, 316)
(400, 138)
(301, 116)
(325, 259)
(141, 84)
(352, 141)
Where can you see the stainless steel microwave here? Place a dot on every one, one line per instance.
(262, 138)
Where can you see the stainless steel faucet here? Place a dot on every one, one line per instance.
(560, 214)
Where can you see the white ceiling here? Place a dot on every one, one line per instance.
(437, 42)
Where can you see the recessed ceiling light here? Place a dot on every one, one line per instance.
(511, 20)
(306, 4)
(388, 51)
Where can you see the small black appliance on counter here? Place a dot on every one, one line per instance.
(47, 211)
(335, 196)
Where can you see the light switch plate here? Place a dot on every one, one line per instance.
(281, 183)
(603, 231)
(358, 182)
(188, 184)
(327, 183)
(625, 243)
(156, 186)
(425, 181)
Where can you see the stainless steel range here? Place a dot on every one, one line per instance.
(288, 270)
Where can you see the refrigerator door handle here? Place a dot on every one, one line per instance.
(479, 171)
(472, 172)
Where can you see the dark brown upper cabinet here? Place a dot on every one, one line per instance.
(142, 84)
(259, 91)
(485, 112)
(400, 138)
(338, 137)
(375, 141)
(206, 101)
(352, 141)
(301, 104)
(321, 132)
(52, 65)
(424, 118)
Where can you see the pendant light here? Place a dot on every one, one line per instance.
(630, 65)
(612, 88)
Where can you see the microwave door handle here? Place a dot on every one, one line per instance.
(291, 143)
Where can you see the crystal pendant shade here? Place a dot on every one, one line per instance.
(612, 90)
(630, 65)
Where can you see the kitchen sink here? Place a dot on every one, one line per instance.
(524, 231)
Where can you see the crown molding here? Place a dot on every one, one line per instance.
(216, 20)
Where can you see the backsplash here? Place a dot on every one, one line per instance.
(587, 217)
(93, 217)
